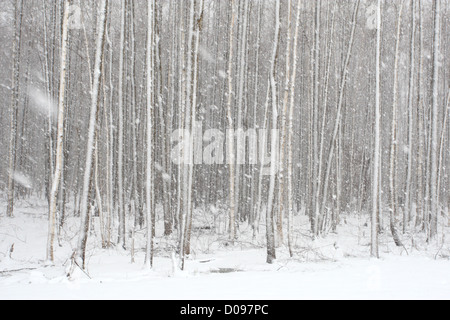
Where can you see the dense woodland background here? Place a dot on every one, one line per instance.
(91, 95)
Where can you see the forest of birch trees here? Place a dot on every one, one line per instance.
(146, 115)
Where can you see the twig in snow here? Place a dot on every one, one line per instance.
(17, 270)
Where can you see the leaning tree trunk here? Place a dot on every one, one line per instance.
(87, 180)
(340, 107)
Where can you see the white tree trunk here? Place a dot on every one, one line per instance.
(394, 143)
(340, 106)
(284, 130)
(376, 156)
(230, 138)
(315, 120)
(407, 209)
(120, 186)
(291, 132)
(322, 133)
(434, 122)
(270, 214)
(60, 137)
(87, 179)
(240, 101)
(150, 110)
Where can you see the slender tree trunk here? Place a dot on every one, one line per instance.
(230, 141)
(60, 137)
(315, 119)
(14, 104)
(340, 106)
(376, 155)
(420, 131)
(284, 130)
(110, 145)
(407, 209)
(109, 206)
(136, 193)
(291, 133)
(394, 142)
(441, 145)
(87, 180)
(196, 28)
(240, 101)
(322, 134)
(270, 214)
(150, 111)
(257, 207)
(434, 122)
(120, 155)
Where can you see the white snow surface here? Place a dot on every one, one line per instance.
(336, 267)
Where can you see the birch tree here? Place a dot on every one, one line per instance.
(394, 143)
(291, 132)
(240, 106)
(340, 106)
(284, 128)
(434, 121)
(60, 137)
(270, 214)
(407, 213)
(18, 14)
(374, 251)
(120, 155)
(80, 256)
(230, 141)
(150, 109)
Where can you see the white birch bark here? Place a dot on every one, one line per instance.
(230, 138)
(284, 130)
(60, 137)
(407, 213)
(150, 110)
(374, 251)
(87, 179)
(291, 132)
(240, 102)
(120, 155)
(270, 214)
(323, 128)
(394, 143)
(339, 107)
(434, 122)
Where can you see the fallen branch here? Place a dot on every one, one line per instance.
(17, 270)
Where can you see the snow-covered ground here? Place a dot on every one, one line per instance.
(337, 267)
